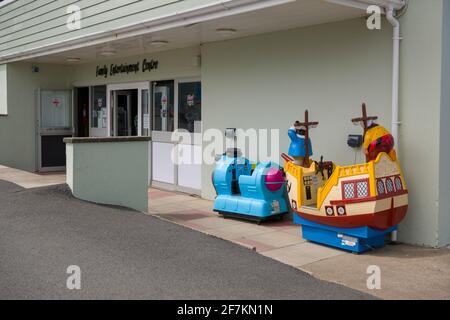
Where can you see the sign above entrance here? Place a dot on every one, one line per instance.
(114, 69)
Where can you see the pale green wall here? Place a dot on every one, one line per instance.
(267, 81)
(17, 129)
(420, 101)
(444, 165)
(110, 173)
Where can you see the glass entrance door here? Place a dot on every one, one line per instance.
(177, 105)
(129, 110)
(126, 113)
(54, 124)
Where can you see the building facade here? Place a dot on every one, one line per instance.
(121, 68)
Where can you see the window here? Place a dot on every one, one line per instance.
(3, 93)
(356, 189)
(189, 105)
(98, 111)
(145, 113)
(362, 189)
(349, 190)
(380, 187)
(398, 184)
(389, 185)
(163, 106)
(56, 111)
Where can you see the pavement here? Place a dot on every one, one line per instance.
(407, 272)
(123, 254)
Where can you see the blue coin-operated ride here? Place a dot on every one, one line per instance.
(259, 195)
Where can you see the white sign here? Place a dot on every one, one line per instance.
(146, 120)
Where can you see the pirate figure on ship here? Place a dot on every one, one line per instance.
(376, 138)
(300, 148)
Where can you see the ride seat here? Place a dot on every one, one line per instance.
(248, 185)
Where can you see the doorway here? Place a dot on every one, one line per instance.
(82, 112)
(54, 123)
(128, 110)
(126, 118)
(177, 104)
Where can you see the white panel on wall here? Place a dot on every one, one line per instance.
(3, 100)
(163, 169)
(189, 167)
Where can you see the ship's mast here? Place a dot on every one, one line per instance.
(307, 124)
(364, 120)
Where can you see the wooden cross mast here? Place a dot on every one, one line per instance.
(364, 119)
(307, 124)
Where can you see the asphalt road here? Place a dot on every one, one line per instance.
(124, 254)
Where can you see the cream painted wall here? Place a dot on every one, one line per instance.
(267, 81)
(17, 129)
(172, 64)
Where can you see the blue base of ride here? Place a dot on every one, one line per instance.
(356, 240)
(248, 208)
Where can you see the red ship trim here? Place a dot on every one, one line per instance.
(367, 199)
(381, 220)
(351, 201)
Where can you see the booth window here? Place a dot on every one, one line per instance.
(189, 106)
(3, 99)
(163, 106)
(98, 110)
(145, 113)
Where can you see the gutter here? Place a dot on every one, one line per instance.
(390, 16)
(363, 4)
(216, 10)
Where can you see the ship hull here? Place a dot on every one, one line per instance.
(381, 220)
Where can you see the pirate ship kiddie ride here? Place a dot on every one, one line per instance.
(349, 207)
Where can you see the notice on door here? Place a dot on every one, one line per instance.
(146, 121)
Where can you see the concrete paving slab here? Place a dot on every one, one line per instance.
(240, 230)
(288, 256)
(303, 253)
(216, 222)
(276, 239)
